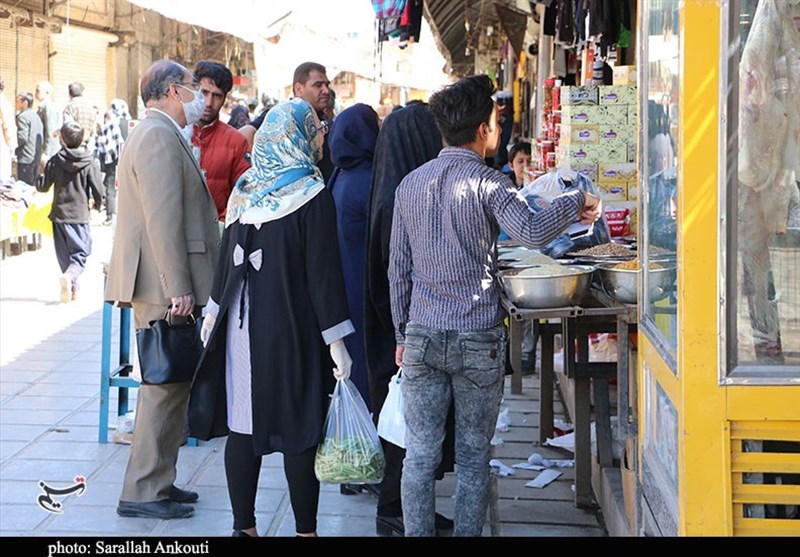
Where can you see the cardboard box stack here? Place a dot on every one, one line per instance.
(598, 139)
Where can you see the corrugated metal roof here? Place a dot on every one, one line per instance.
(460, 26)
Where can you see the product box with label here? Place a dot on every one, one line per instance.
(616, 172)
(580, 95)
(582, 134)
(624, 75)
(589, 170)
(625, 132)
(591, 115)
(613, 192)
(617, 94)
(608, 151)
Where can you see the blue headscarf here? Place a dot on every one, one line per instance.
(284, 175)
(352, 139)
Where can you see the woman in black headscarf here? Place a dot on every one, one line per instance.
(239, 117)
(408, 138)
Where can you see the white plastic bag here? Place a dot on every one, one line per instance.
(391, 421)
(351, 451)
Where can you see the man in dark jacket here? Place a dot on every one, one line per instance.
(30, 137)
(73, 174)
(310, 83)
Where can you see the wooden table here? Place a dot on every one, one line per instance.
(597, 314)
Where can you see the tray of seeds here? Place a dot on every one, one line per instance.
(604, 253)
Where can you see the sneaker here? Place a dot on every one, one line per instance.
(66, 288)
(74, 295)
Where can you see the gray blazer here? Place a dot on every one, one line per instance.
(30, 137)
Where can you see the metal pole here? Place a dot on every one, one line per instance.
(544, 61)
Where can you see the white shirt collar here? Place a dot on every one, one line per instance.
(171, 119)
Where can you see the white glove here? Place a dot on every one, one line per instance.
(341, 357)
(205, 330)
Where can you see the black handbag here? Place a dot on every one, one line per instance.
(169, 352)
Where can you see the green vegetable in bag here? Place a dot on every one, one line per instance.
(351, 451)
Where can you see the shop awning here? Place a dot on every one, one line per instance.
(514, 23)
(461, 28)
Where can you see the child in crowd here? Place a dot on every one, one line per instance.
(519, 159)
(72, 173)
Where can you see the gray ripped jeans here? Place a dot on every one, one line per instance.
(470, 367)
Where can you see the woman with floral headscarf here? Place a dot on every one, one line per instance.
(276, 319)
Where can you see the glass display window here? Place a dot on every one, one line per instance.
(761, 159)
(660, 54)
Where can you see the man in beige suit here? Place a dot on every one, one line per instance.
(165, 248)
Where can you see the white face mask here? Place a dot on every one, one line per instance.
(193, 110)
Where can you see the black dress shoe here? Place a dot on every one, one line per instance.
(389, 527)
(165, 510)
(349, 489)
(240, 534)
(443, 523)
(372, 489)
(182, 495)
(353, 489)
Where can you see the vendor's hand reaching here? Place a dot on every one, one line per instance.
(341, 357)
(205, 330)
(592, 208)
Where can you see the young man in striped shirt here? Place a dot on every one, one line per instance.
(445, 298)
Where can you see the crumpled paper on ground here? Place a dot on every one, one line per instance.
(502, 469)
(567, 441)
(503, 421)
(537, 460)
(544, 478)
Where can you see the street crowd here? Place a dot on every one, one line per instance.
(314, 247)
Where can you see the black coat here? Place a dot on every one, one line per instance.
(73, 175)
(408, 139)
(296, 295)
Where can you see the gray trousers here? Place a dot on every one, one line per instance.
(470, 368)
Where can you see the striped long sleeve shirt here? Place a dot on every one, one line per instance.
(443, 248)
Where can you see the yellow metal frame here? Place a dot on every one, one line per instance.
(712, 418)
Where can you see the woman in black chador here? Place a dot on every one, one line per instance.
(408, 138)
(276, 320)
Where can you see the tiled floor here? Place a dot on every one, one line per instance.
(49, 403)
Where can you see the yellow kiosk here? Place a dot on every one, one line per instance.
(715, 425)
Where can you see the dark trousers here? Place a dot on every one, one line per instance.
(27, 172)
(73, 244)
(109, 181)
(242, 467)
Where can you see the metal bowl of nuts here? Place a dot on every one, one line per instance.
(547, 286)
(621, 280)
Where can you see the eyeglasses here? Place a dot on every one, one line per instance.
(193, 87)
(324, 126)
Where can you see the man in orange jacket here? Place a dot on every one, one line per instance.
(224, 153)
